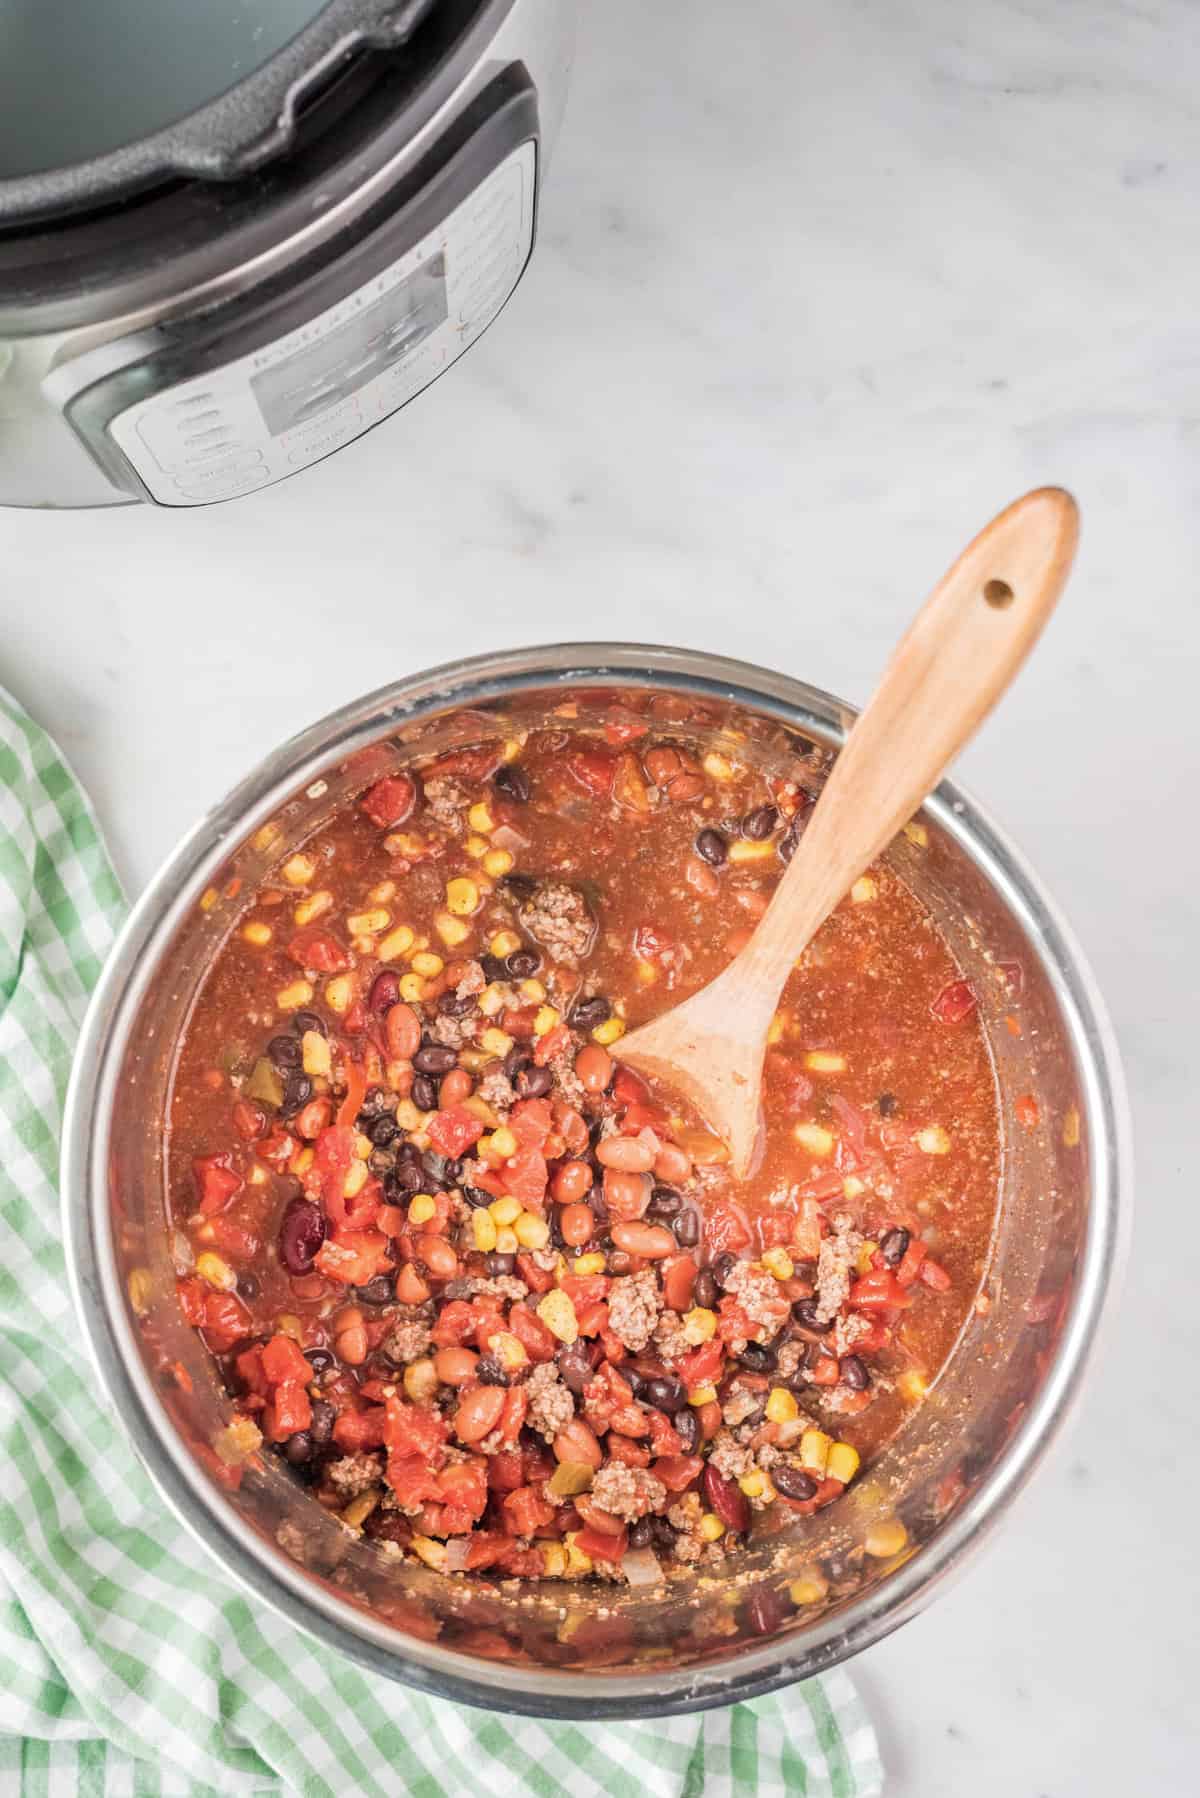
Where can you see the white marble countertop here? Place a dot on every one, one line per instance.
(815, 295)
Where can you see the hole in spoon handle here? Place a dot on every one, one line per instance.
(998, 594)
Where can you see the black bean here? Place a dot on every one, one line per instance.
(437, 1169)
(301, 1233)
(435, 1058)
(854, 1372)
(666, 1393)
(409, 1175)
(787, 846)
(498, 1265)
(285, 1052)
(424, 1092)
(757, 1357)
(523, 964)
(590, 1012)
(514, 1061)
(297, 1091)
(380, 1290)
(664, 1532)
(722, 1267)
(575, 1365)
(511, 780)
(641, 1533)
(456, 1005)
(383, 1129)
(665, 1202)
(711, 847)
(687, 1428)
(323, 1418)
(686, 1228)
(380, 1162)
(761, 823)
(534, 1083)
(248, 1287)
(805, 1313)
(493, 967)
(298, 1449)
(320, 1360)
(704, 1291)
(476, 1199)
(637, 1382)
(791, 1481)
(309, 1020)
(375, 1103)
(888, 1105)
(894, 1245)
(489, 1372)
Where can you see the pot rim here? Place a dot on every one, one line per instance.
(96, 1285)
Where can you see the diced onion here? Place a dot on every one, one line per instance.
(457, 1549)
(505, 837)
(640, 1567)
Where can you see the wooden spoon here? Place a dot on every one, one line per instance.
(957, 658)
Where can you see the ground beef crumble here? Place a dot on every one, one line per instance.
(353, 1474)
(729, 1456)
(837, 1257)
(550, 1403)
(452, 1033)
(409, 1337)
(446, 800)
(497, 1090)
(670, 1339)
(633, 1308)
(760, 1296)
(627, 1492)
(558, 917)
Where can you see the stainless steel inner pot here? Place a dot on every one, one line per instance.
(600, 1650)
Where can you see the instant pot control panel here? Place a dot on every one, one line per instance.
(221, 407)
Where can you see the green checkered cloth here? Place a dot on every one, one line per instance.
(129, 1667)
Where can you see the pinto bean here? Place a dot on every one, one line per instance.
(455, 1366)
(626, 1195)
(456, 1087)
(577, 1223)
(672, 1165)
(650, 1241)
(403, 1030)
(594, 1067)
(478, 1412)
(437, 1255)
(576, 1441)
(628, 1154)
(571, 1180)
(350, 1336)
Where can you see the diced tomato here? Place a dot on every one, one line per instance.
(679, 1276)
(934, 1275)
(627, 1450)
(700, 1366)
(584, 1289)
(414, 1481)
(455, 1322)
(351, 1105)
(525, 1511)
(664, 1438)
(318, 949)
(226, 1320)
(249, 1120)
(356, 1431)
(235, 1243)
(624, 727)
(531, 1121)
(276, 1148)
(190, 1294)
(353, 1259)
(879, 1287)
(251, 1372)
(524, 1176)
(506, 1470)
(954, 1003)
(910, 1261)
(824, 1371)
(594, 769)
(283, 1363)
(485, 1549)
(678, 1471)
(538, 1279)
(637, 1117)
(629, 1088)
(289, 1411)
(453, 1131)
(600, 1547)
(629, 788)
(464, 1489)
(414, 1429)
(390, 801)
(726, 1228)
(531, 1333)
(334, 1155)
(592, 1317)
(216, 1181)
(519, 1021)
(554, 1043)
(516, 1404)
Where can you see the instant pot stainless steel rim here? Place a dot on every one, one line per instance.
(95, 1281)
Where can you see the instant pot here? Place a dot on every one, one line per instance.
(233, 240)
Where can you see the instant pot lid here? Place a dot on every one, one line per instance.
(101, 100)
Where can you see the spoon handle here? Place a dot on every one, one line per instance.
(957, 658)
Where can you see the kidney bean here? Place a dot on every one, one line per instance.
(285, 1052)
(534, 1082)
(711, 847)
(626, 1195)
(511, 780)
(350, 1336)
(478, 1413)
(704, 1290)
(765, 1611)
(301, 1233)
(455, 1366)
(590, 1012)
(402, 1028)
(575, 1365)
(384, 993)
(424, 1092)
(577, 1223)
(686, 1425)
(571, 1180)
(650, 1241)
(594, 1067)
(672, 1164)
(576, 1441)
(760, 823)
(437, 1255)
(726, 1499)
(628, 1154)
(792, 1482)
(434, 1058)
(666, 1393)
(686, 1228)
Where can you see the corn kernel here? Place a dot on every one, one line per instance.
(480, 818)
(588, 1264)
(505, 942)
(885, 1539)
(554, 1560)
(825, 1061)
(776, 1029)
(864, 890)
(258, 1175)
(711, 1527)
(421, 1380)
(421, 1209)
(862, 1261)
(779, 1262)
(557, 1312)
(1070, 1129)
(407, 1115)
(266, 837)
(718, 766)
(699, 1325)
(360, 1508)
(545, 1021)
(316, 1056)
(782, 1406)
(483, 1229)
(912, 1385)
(610, 1031)
(453, 931)
(298, 870)
(814, 1451)
(754, 1484)
(505, 1211)
(505, 1144)
(476, 848)
(842, 1463)
(299, 1164)
(932, 1140)
(813, 1137)
(741, 851)
(380, 895)
(427, 964)
(462, 896)
(491, 1000)
(412, 988)
(356, 1179)
(259, 935)
(917, 833)
(495, 1041)
(702, 1395)
(809, 1588)
(215, 1271)
(432, 1553)
(288, 1324)
(852, 1187)
(339, 993)
(292, 997)
(474, 1060)
(363, 1146)
(645, 973)
(511, 749)
(509, 1350)
(506, 1241)
(209, 898)
(396, 943)
(369, 923)
(311, 908)
(498, 863)
(533, 1232)
(577, 1560)
(533, 990)
(140, 1287)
